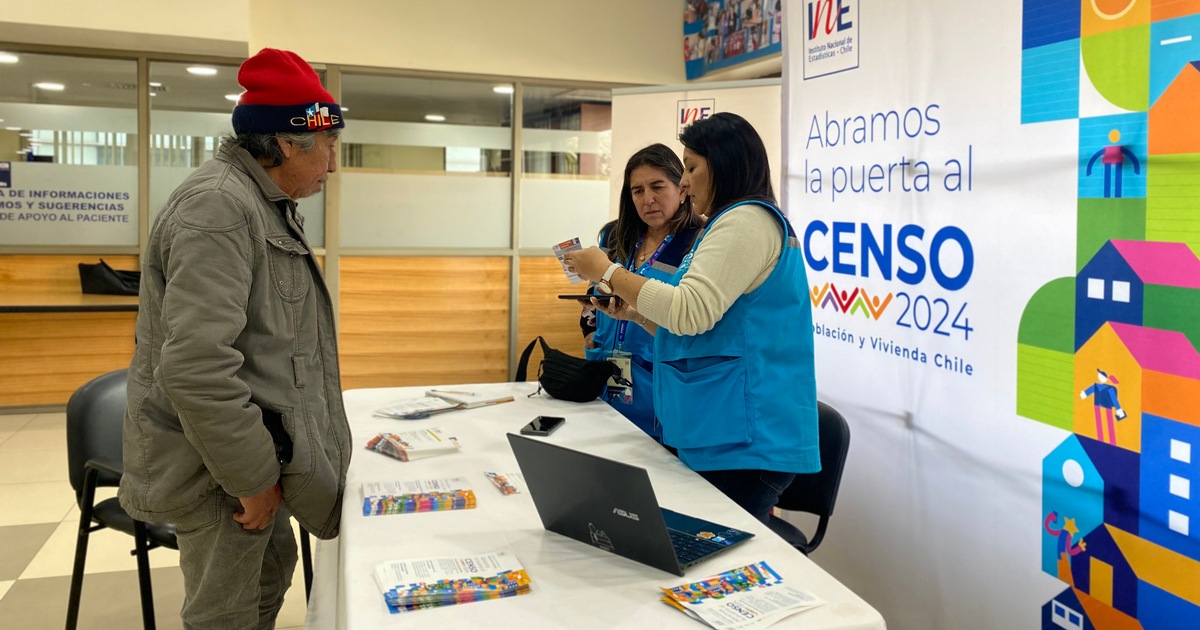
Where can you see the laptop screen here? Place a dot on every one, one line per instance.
(597, 501)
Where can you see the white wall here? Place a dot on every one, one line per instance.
(644, 116)
(626, 41)
(212, 19)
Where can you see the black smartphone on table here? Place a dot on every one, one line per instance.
(542, 425)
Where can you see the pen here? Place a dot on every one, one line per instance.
(446, 391)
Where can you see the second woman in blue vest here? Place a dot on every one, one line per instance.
(654, 230)
(734, 383)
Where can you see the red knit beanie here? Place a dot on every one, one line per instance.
(283, 93)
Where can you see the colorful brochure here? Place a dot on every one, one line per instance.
(411, 445)
(422, 495)
(507, 483)
(409, 585)
(749, 596)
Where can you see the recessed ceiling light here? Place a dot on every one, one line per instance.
(204, 71)
(8, 58)
(12, 128)
(435, 117)
(233, 97)
(25, 134)
(503, 89)
(155, 84)
(53, 87)
(345, 109)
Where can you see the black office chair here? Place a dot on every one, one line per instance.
(816, 493)
(95, 415)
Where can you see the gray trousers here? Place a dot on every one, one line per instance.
(233, 579)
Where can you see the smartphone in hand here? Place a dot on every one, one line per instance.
(542, 425)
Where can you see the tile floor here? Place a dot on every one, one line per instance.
(38, 522)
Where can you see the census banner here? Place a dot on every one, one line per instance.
(999, 205)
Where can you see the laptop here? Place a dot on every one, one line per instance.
(611, 505)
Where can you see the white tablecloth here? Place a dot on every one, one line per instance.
(574, 585)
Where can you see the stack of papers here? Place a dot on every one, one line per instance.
(437, 401)
(428, 582)
(423, 495)
(415, 408)
(467, 399)
(411, 445)
(752, 595)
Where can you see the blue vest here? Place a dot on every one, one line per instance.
(744, 395)
(638, 342)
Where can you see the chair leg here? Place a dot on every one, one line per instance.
(142, 551)
(306, 558)
(81, 544)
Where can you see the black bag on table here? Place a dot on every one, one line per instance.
(104, 280)
(566, 377)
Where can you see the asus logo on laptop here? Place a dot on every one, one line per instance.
(628, 515)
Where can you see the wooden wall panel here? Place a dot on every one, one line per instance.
(33, 275)
(423, 320)
(540, 312)
(44, 357)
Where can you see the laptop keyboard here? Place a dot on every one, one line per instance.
(689, 548)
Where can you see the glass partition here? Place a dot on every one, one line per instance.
(426, 163)
(566, 139)
(68, 151)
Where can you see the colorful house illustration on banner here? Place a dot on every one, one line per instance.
(1139, 282)
(1110, 354)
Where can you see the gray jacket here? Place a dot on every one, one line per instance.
(235, 343)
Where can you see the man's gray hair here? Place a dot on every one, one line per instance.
(265, 146)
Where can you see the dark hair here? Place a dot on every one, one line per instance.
(623, 238)
(737, 159)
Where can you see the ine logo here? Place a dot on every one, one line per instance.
(629, 515)
(830, 37)
(692, 110)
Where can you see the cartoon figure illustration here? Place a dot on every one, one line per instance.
(1113, 159)
(1065, 535)
(1104, 396)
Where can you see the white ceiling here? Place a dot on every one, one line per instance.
(112, 83)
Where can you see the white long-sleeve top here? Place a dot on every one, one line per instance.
(737, 255)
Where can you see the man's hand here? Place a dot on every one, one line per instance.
(259, 510)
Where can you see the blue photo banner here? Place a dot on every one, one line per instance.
(723, 33)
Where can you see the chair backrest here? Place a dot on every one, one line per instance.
(95, 415)
(817, 493)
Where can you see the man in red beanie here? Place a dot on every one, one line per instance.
(235, 419)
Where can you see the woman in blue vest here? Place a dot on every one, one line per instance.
(654, 230)
(734, 383)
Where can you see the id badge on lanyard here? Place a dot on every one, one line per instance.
(620, 386)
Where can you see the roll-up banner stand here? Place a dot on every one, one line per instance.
(999, 204)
